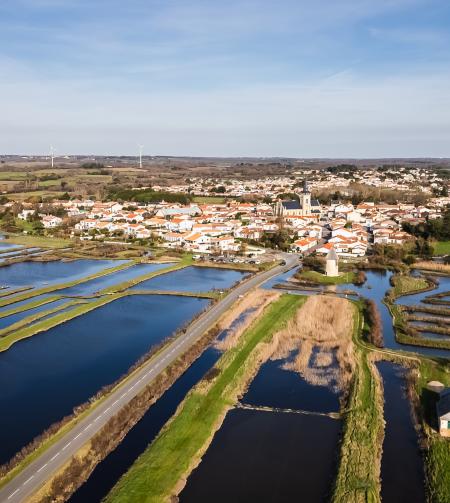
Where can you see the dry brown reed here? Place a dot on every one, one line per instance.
(432, 266)
(317, 342)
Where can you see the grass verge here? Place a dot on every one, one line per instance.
(358, 476)
(155, 474)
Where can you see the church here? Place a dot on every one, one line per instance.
(303, 206)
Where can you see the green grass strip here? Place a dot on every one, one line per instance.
(5, 292)
(155, 473)
(37, 316)
(29, 305)
(317, 277)
(358, 477)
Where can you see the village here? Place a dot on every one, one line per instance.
(235, 227)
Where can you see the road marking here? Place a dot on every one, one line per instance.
(106, 410)
(117, 401)
(79, 435)
(67, 445)
(28, 480)
(13, 494)
(42, 467)
(55, 456)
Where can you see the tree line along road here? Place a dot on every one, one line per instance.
(33, 476)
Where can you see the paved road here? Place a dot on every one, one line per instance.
(34, 476)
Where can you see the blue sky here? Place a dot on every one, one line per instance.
(323, 78)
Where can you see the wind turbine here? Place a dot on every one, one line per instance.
(52, 153)
(141, 147)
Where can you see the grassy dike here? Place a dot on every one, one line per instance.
(29, 305)
(358, 476)
(156, 473)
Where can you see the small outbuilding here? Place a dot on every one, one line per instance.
(443, 412)
(331, 263)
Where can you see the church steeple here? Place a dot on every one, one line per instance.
(305, 187)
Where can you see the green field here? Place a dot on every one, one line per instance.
(209, 199)
(317, 277)
(408, 284)
(15, 176)
(23, 196)
(40, 241)
(153, 477)
(441, 248)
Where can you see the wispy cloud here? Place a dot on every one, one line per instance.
(292, 77)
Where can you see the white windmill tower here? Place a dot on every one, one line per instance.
(52, 154)
(141, 148)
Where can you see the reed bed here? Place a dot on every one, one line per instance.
(319, 336)
(432, 266)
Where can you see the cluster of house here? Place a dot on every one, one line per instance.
(208, 228)
(392, 178)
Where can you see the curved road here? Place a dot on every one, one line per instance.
(29, 480)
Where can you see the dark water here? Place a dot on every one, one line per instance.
(14, 318)
(45, 376)
(109, 471)
(37, 273)
(275, 387)
(402, 472)
(193, 279)
(279, 279)
(267, 457)
(90, 287)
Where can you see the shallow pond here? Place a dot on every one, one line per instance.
(94, 285)
(4, 245)
(47, 375)
(269, 457)
(402, 472)
(14, 318)
(108, 472)
(194, 279)
(40, 274)
(275, 387)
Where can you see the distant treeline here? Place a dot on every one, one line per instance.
(148, 196)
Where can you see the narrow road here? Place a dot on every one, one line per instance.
(29, 480)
